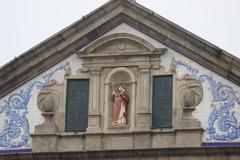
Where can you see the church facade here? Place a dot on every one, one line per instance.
(121, 78)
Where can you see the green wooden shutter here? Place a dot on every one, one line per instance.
(77, 105)
(162, 101)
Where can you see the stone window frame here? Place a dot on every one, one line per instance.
(131, 104)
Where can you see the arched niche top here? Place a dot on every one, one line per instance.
(121, 72)
(119, 42)
(120, 49)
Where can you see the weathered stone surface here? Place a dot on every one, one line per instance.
(49, 100)
(46, 128)
(44, 143)
(189, 137)
(49, 97)
(142, 140)
(116, 141)
(129, 61)
(189, 94)
(93, 142)
(70, 144)
(212, 153)
(190, 91)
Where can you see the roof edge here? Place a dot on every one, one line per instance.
(50, 47)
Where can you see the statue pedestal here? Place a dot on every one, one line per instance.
(188, 129)
(187, 121)
(119, 125)
(48, 127)
(44, 142)
(44, 138)
(191, 137)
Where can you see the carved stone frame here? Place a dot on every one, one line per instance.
(132, 55)
(140, 61)
(131, 90)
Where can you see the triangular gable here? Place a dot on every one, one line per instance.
(89, 28)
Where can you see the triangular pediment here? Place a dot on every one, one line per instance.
(104, 19)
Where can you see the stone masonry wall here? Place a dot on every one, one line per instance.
(223, 153)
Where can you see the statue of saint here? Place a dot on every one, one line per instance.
(121, 100)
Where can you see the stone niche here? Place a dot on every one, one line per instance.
(130, 62)
(125, 78)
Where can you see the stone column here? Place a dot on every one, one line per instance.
(93, 113)
(143, 111)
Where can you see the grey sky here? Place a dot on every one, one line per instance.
(25, 23)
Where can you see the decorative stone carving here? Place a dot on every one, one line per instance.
(118, 49)
(173, 68)
(117, 54)
(130, 62)
(48, 100)
(120, 42)
(189, 95)
(82, 70)
(68, 70)
(115, 78)
(190, 91)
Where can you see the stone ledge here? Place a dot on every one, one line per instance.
(110, 132)
(116, 139)
(116, 54)
(167, 153)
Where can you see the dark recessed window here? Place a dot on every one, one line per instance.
(77, 105)
(162, 101)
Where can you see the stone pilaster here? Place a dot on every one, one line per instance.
(143, 111)
(93, 113)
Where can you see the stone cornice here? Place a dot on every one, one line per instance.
(165, 153)
(129, 54)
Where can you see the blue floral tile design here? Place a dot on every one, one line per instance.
(223, 124)
(15, 132)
